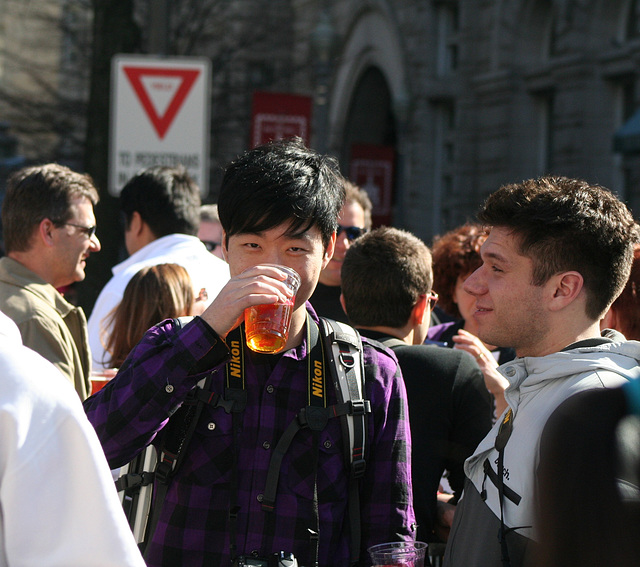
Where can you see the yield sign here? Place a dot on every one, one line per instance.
(160, 108)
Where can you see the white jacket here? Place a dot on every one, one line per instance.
(206, 270)
(58, 504)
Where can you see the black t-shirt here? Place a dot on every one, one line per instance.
(450, 412)
(326, 302)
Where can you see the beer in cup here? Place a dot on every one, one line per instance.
(267, 326)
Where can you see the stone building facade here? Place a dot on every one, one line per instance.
(465, 94)
(486, 92)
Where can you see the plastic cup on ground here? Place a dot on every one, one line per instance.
(267, 326)
(396, 554)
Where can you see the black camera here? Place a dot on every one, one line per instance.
(280, 559)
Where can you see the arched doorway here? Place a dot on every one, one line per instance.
(369, 109)
(370, 142)
(370, 117)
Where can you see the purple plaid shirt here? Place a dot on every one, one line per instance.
(194, 525)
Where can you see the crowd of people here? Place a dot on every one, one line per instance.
(502, 424)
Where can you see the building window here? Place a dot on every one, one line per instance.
(448, 22)
(633, 20)
(625, 107)
(628, 97)
(444, 144)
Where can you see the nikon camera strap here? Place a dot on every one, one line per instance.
(340, 350)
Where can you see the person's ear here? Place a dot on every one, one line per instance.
(329, 250)
(420, 310)
(225, 250)
(342, 303)
(564, 289)
(45, 231)
(136, 224)
(610, 319)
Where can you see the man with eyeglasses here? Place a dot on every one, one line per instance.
(449, 406)
(354, 221)
(49, 231)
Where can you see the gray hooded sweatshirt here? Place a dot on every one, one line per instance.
(537, 386)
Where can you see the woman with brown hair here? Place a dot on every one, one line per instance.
(155, 293)
(456, 255)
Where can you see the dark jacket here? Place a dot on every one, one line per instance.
(450, 412)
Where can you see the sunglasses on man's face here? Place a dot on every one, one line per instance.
(352, 232)
(90, 231)
(210, 245)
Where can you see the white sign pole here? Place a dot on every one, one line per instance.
(159, 116)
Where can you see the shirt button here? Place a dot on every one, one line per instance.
(211, 426)
(270, 389)
(266, 445)
(168, 389)
(327, 444)
(260, 497)
(510, 371)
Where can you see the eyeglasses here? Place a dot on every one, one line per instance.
(432, 298)
(90, 231)
(352, 232)
(210, 245)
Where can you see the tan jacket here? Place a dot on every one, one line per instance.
(48, 324)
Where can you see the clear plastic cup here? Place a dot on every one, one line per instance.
(267, 326)
(99, 379)
(399, 553)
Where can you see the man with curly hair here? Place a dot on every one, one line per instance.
(557, 254)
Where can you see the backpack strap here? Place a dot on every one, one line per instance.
(346, 361)
(391, 342)
(179, 431)
(176, 437)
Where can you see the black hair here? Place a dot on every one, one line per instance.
(166, 198)
(281, 182)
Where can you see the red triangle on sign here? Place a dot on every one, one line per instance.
(161, 123)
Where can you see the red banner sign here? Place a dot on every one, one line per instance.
(372, 169)
(279, 115)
